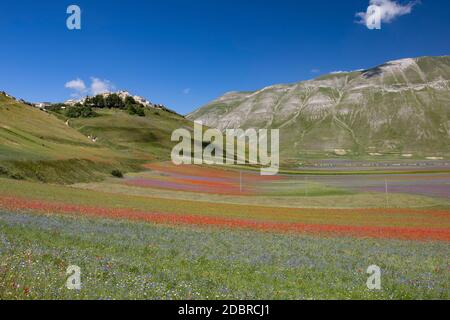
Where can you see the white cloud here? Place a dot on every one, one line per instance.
(389, 9)
(77, 85)
(315, 70)
(187, 90)
(99, 86)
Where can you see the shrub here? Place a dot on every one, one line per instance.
(56, 107)
(140, 111)
(131, 109)
(117, 173)
(79, 111)
(3, 171)
(136, 109)
(16, 176)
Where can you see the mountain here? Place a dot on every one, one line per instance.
(400, 109)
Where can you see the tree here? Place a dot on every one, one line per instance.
(129, 100)
(131, 109)
(89, 102)
(98, 101)
(80, 111)
(136, 109)
(140, 111)
(114, 101)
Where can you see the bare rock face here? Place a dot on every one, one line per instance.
(400, 107)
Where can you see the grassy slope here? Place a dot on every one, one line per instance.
(27, 133)
(40, 146)
(140, 137)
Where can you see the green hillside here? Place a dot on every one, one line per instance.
(51, 148)
(27, 133)
(139, 137)
(400, 109)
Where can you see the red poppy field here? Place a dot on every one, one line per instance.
(441, 232)
(384, 223)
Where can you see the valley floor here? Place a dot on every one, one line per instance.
(205, 233)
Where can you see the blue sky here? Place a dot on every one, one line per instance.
(186, 53)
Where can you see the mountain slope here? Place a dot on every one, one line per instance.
(400, 107)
